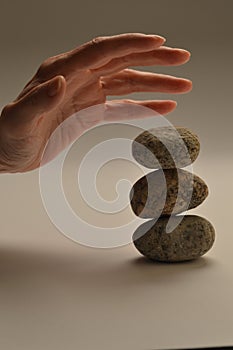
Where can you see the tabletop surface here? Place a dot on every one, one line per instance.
(56, 294)
(55, 291)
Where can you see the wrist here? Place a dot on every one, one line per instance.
(4, 164)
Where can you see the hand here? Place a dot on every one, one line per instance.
(83, 77)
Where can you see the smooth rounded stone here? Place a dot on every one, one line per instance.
(163, 147)
(153, 203)
(192, 238)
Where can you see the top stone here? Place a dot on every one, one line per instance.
(166, 147)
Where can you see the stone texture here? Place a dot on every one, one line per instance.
(157, 203)
(192, 238)
(167, 145)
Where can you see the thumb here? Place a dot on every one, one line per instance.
(39, 100)
(44, 97)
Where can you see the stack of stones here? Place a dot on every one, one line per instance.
(193, 235)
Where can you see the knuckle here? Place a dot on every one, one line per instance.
(51, 66)
(97, 40)
(128, 77)
(44, 66)
(102, 83)
(131, 79)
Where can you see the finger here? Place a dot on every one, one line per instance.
(129, 81)
(101, 50)
(41, 99)
(162, 56)
(128, 109)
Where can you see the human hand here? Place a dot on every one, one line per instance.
(83, 77)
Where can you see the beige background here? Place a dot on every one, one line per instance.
(56, 294)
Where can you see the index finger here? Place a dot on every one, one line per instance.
(101, 50)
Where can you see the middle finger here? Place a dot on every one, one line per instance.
(129, 81)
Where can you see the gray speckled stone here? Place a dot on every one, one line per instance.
(192, 238)
(157, 203)
(167, 145)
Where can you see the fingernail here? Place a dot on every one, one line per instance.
(182, 50)
(54, 87)
(159, 37)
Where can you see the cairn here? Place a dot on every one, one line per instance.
(168, 191)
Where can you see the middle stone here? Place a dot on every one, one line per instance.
(156, 193)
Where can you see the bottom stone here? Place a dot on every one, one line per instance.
(192, 238)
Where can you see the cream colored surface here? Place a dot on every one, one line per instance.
(55, 294)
